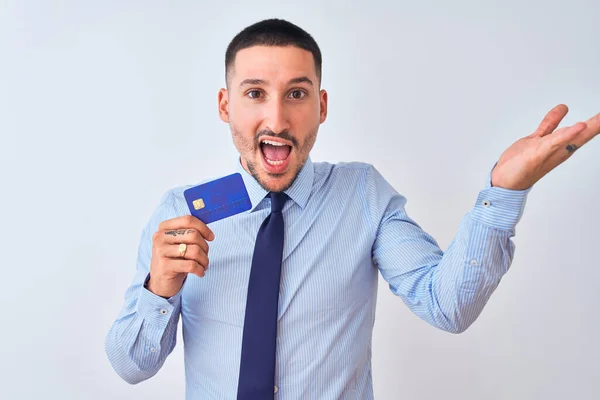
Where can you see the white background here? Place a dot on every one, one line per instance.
(104, 105)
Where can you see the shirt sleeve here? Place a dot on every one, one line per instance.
(446, 289)
(144, 333)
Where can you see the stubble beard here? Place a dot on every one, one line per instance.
(244, 147)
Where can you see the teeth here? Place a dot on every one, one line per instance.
(273, 143)
(274, 163)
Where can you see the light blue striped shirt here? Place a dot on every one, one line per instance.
(345, 225)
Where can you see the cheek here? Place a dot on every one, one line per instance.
(306, 117)
(305, 125)
(246, 119)
(243, 130)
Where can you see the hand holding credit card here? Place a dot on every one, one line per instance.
(218, 199)
(182, 246)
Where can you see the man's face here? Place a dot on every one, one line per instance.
(274, 108)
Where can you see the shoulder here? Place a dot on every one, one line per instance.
(342, 169)
(362, 176)
(362, 173)
(172, 202)
(359, 180)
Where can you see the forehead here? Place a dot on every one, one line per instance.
(273, 63)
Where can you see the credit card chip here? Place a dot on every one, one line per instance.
(198, 204)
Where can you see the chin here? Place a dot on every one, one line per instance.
(277, 183)
(273, 182)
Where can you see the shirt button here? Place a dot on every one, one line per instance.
(486, 203)
(153, 349)
(275, 389)
(474, 263)
(164, 311)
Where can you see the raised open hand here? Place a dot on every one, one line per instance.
(530, 158)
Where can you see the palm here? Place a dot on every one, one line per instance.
(530, 158)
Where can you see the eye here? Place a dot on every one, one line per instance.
(297, 94)
(254, 94)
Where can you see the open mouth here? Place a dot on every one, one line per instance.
(275, 154)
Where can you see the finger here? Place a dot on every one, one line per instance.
(569, 139)
(551, 120)
(563, 145)
(193, 252)
(189, 266)
(186, 222)
(187, 236)
(593, 126)
(591, 130)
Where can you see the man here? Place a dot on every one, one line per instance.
(285, 307)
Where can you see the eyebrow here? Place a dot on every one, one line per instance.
(301, 79)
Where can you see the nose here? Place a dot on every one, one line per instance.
(276, 117)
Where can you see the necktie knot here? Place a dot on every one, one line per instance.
(278, 200)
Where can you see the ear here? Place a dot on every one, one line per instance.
(323, 103)
(223, 100)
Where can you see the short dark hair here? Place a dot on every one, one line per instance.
(273, 32)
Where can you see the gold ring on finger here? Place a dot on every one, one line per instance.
(182, 249)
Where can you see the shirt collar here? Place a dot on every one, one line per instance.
(299, 192)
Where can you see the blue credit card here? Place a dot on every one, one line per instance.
(218, 199)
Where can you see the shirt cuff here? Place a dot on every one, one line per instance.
(155, 308)
(500, 207)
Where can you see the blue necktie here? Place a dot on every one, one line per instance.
(257, 367)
